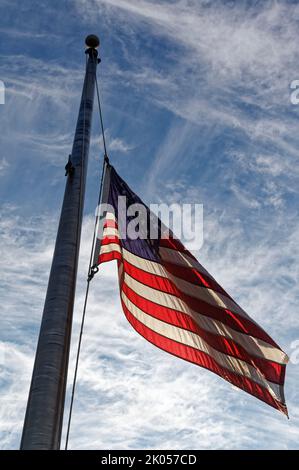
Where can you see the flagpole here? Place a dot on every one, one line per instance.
(44, 414)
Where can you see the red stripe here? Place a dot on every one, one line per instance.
(175, 244)
(107, 240)
(104, 257)
(227, 317)
(110, 223)
(206, 278)
(271, 370)
(193, 276)
(204, 360)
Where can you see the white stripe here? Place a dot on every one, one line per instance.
(203, 293)
(188, 338)
(253, 345)
(110, 232)
(209, 296)
(182, 259)
(145, 264)
(110, 248)
(101, 223)
(110, 216)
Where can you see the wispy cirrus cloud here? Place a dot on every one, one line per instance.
(228, 73)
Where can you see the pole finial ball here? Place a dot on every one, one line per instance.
(92, 41)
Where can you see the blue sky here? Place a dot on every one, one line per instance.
(196, 101)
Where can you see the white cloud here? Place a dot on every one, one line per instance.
(114, 144)
(119, 145)
(4, 165)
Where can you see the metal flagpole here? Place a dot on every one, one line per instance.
(44, 413)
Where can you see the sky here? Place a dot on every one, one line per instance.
(197, 108)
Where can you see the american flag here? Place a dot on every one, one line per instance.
(171, 300)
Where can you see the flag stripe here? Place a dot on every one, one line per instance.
(110, 247)
(175, 244)
(110, 232)
(179, 303)
(110, 223)
(254, 345)
(103, 258)
(110, 216)
(202, 293)
(182, 259)
(110, 241)
(204, 360)
(193, 276)
(250, 344)
(194, 338)
(272, 371)
(165, 269)
(187, 338)
(109, 252)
